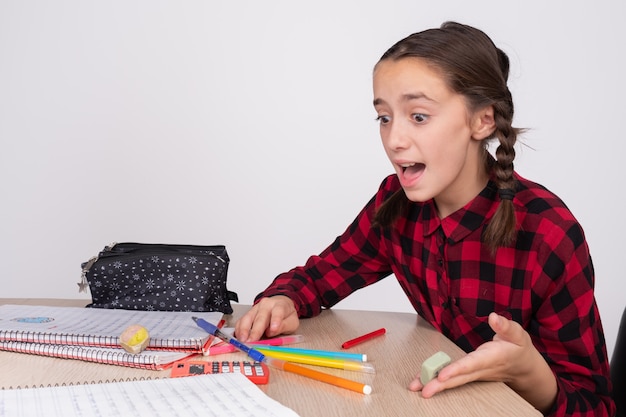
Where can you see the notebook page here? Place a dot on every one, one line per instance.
(205, 395)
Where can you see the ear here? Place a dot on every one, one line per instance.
(483, 123)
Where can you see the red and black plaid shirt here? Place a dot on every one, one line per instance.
(454, 281)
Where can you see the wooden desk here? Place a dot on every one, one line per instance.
(397, 356)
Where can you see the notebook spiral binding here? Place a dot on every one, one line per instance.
(191, 345)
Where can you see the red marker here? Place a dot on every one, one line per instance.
(209, 341)
(363, 338)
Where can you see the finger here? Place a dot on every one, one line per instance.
(451, 376)
(244, 324)
(474, 366)
(259, 325)
(275, 322)
(507, 330)
(416, 384)
(442, 382)
(498, 323)
(467, 367)
(274, 328)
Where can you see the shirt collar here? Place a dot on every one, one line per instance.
(465, 220)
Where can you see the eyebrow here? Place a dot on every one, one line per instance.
(407, 97)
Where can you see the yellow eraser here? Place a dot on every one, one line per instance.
(135, 338)
(432, 366)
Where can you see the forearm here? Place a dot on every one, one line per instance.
(295, 285)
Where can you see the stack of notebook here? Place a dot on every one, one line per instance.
(94, 334)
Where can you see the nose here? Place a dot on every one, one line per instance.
(395, 136)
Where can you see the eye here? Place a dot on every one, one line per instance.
(383, 120)
(419, 117)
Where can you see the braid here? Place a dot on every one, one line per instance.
(389, 211)
(501, 231)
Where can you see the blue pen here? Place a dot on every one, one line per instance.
(214, 330)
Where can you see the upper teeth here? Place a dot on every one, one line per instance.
(407, 165)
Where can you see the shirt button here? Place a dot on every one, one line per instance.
(445, 305)
(440, 262)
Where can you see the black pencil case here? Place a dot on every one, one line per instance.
(160, 277)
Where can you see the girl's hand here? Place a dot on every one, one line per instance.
(272, 316)
(510, 357)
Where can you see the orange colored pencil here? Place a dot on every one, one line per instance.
(319, 376)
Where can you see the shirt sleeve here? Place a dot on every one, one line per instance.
(354, 260)
(567, 328)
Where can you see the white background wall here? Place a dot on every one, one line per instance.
(250, 124)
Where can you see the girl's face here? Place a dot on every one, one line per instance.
(431, 139)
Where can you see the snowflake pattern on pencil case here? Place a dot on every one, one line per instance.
(164, 283)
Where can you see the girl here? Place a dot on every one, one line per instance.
(497, 263)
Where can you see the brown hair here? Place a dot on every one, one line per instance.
(475, 68)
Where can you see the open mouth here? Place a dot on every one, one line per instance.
(412, 169)
(410, 173)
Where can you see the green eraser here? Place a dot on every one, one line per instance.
(432, 366)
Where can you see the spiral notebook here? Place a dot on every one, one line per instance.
(93, 334)
(152, 360)
(205, 395)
